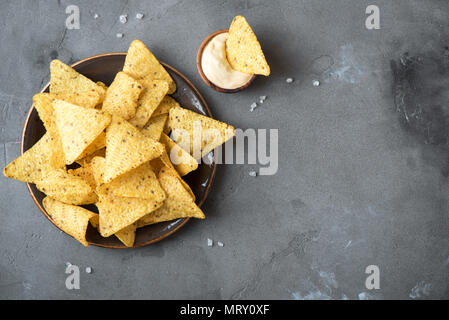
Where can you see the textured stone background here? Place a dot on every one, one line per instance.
(356, 184)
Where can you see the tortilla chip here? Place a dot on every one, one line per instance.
(78, 127)
(164, 107)
(71, 219)
(97, 166)
(95, 220)
(67, 188)
(153, 129)
(164, 162)
(243, 50)
(148, 102)
(64, 79)
(87, 159)
(138, 183)
(97, 144)
(127, 148)
(181, 159)
(127, 235)
(101, 84)
(36, 162)
(213, 132)
(86, 174)
(178, 203)
(122, 95)
(117, 213)
(142, 65)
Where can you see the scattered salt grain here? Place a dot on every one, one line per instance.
(220, 244)
(96, 16)
(123, 18)
(139, 16)
(210, 242)
(253, 173)
(88, 270)
(289, 80)
(68, 264)
(262, 99)
(253, 106)
(316, 83)
(119, 35)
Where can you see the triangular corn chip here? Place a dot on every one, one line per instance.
(86, 174)
(127, 235)
(181, 159)
(178, 203)
(37, 161)
(164, 107)
(127, 148)
(122, 95)
(78, 127)
(97, 166)
(97, 144)
(164, 162)
(243, 50)
(153, 129)
(142, 65)
(117, 213)
(199, 130)
(67, 188)
(138, 183)
(87, 159)
(64, 79)
(71, 219)
(148, 102)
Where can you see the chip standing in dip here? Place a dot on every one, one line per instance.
(216, 67)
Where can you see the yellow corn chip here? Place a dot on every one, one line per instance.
(199, 130)
(67, 188)
(86, 174)
(164, 162)
(78, 127)
(97, 166)
(153, 129)
(97, 144)
(36, 162)
(148, 102)
(64, 79)
(122, 95)
(101, 84)
(138, 183)
(117, 213)
(243, 50)
(127, 148)
(164, 107)
(142, 65)
(87, 159)
(127, 235)
(178, 203)
(71, 219)
(181, 159)
(95, 220)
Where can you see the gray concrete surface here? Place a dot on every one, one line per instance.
(355, 186)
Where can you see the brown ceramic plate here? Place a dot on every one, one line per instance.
(199, 56)
(104, 68)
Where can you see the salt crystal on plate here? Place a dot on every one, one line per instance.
(96, 16)
(262, 99)
(253, 173)
(220, 244)
(119, 35)
(316, 83)
(289, 80)
(139, 16)
(123, 18)
(88, 270)
(210, 242)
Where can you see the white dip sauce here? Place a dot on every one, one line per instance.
(216, 67)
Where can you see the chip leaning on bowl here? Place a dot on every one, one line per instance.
(112, 138)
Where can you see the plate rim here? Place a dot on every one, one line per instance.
(171, 231)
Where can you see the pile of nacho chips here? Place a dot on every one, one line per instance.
(109, 146)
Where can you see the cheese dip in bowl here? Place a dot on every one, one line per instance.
(214, 67)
